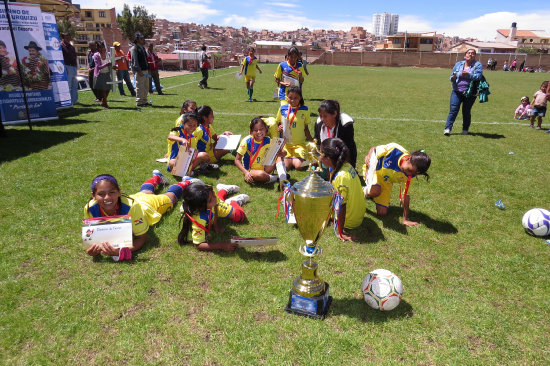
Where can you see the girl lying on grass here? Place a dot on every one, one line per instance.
(201, 208)
(251, 153)
(145, 207)
(344, 178)
(394, 165)
(185, 136)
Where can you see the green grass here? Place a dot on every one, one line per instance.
(475, 284)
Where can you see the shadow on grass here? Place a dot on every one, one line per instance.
(391, 221)
(357, 308)
(211, 88)
(65, 113)
(20, 143)
(368, 232)
(493, 136)
(265, 101)
(271, 256)
(315, 99)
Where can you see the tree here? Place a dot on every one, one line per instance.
(65, 26)
(135, 20)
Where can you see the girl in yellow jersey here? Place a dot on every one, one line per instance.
(344, 178)
(297, 134)
(251, 153)
(394, 164)
(248, 68)
(185, 136)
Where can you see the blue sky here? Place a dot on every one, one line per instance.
(479, 19)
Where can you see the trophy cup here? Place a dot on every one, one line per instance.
(312, 203)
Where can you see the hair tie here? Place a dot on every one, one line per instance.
(423, 151)
(99, 178)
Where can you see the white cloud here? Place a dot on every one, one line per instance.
(414, 23)
(284, 5)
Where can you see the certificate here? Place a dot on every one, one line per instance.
(183, 161)
(291, 80)
(115, 230)
(272, 150)
(227, 142)
(254, 242)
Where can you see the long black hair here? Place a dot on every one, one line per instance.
(421, 161)
(336, 151)
(202, 112)
(195, 199)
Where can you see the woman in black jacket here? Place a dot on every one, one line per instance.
(332, 123)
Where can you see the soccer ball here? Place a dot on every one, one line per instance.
(537, 222)
(382, 290)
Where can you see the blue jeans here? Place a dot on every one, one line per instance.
(204, 79)
(73, 84)
(458, 98)
(124, 75)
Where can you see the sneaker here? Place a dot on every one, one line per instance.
(212, 166)
(190, 179)
(163, 180)
(464, 132)
(241, 199)
(229, 188)
(250, 99)
(538, 128)
(200, 86)
(531, 126)
(447, 132)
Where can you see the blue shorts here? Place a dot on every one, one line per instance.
(538, 111)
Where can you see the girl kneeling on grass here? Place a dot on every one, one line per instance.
(185, 136)
(201, 208)
(251, 153)
(344, 178)
(297, 116)
(208, 138)
(145, 207)
(394, 165)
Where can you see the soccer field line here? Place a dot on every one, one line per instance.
(196, 81)
(371, 118)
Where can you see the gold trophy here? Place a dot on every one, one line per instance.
(312, 204)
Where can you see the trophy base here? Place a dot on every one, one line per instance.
(314, 307)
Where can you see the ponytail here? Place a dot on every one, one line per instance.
(336, 150)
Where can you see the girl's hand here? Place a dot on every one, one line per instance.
(109, 250)
(94, 250)
(409, 223)
(281, 153)
(348, 237)
(285, 83)
(186, 144)
(248, 178)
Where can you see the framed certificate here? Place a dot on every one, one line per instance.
(183, 161)
(116, 230)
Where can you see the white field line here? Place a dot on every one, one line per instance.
(196, 81)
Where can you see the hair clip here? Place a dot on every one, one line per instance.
(423, 151)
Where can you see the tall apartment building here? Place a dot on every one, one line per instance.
(385, 24)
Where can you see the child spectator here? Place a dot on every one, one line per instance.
(523, 110)
(539, 105)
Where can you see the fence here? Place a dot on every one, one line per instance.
(426, 59)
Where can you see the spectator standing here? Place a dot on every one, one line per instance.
(153, 61)
(205, 65)
(505, 66)
(91, 66)
(122, 73)
(69, 56)
(102, 73)
(140, 68)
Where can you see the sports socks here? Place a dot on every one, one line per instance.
(238, 212)
(273, 178)
(177, 189)
(222, 194)
(151, 184)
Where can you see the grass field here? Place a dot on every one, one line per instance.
(475, 283)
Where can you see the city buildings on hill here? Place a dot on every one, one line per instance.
(534, 39)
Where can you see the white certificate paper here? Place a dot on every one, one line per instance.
(115, 230)
(227, 142)
(183, 161)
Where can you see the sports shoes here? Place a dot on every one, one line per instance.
(163, 180)
(200, 85)
(241, 199)
(250, 99)
(229, 188)
(538, 128)
(447, 132)
(212, 166)
(464, 132)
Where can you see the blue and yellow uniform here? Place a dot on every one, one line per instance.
(251, 148)
(202, 221)
(145, 209)
(205, 143)
(272, 127)
(249, 70)
(298, 119)
(388, 171)
(284, 71)
(348, 185)
(179, 122)
(174, 146)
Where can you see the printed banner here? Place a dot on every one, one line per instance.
(58, 75)
(31, 47)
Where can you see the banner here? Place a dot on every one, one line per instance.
(31, 45)
(58, 75)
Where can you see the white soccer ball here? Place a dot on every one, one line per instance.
(537, 222)
(382, 290)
